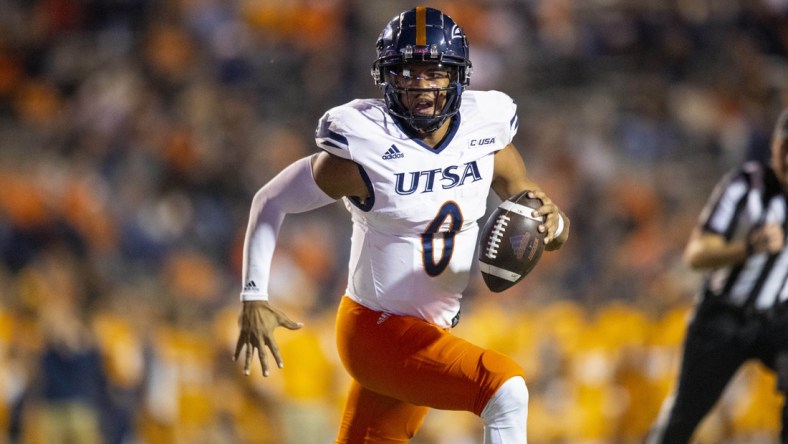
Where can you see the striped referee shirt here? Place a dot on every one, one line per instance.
(746, 198)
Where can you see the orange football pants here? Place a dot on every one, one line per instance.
(401, 366)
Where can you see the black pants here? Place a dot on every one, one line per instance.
(719, 340)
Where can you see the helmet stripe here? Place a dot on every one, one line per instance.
(421, 26)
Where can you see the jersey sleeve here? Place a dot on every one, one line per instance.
(498, 112)
(509, 108)
(501, 104)
(330, 136)
(724, 204)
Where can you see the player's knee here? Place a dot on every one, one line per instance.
(515, 393)
(509, 403)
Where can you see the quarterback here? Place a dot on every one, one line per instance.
(414, 170)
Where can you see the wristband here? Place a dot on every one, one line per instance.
(252, 292)
(560, 228)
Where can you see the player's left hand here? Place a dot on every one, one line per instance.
(552, 213)
(257, 322)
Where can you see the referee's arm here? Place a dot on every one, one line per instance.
(706, 250)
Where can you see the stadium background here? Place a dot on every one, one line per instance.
(133, 134)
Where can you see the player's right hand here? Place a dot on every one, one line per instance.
(257, 322)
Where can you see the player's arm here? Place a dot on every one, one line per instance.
(306, 184)
(510, 177)
(338, 177)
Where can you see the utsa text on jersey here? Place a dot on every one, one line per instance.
(448, 178)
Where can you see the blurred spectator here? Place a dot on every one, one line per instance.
(71, 381)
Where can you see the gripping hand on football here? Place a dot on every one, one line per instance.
(555, 222)
(257, 323)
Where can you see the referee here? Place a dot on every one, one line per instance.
(743, 311)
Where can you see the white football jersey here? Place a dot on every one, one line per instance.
(414, 238)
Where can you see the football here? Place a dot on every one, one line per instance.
(510, 243)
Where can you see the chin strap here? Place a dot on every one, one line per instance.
(291, 191)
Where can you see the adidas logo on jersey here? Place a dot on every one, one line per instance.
(393, 153)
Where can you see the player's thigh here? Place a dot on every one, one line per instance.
(370, 417)
(417, 362)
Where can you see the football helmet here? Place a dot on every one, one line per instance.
(423, 36)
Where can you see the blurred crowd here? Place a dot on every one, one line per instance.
(134, 133)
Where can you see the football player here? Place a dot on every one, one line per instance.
(414, 169)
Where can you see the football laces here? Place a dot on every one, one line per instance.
(495, 239)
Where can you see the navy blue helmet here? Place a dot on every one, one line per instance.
(422, 36)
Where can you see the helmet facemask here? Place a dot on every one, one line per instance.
(422, 95)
